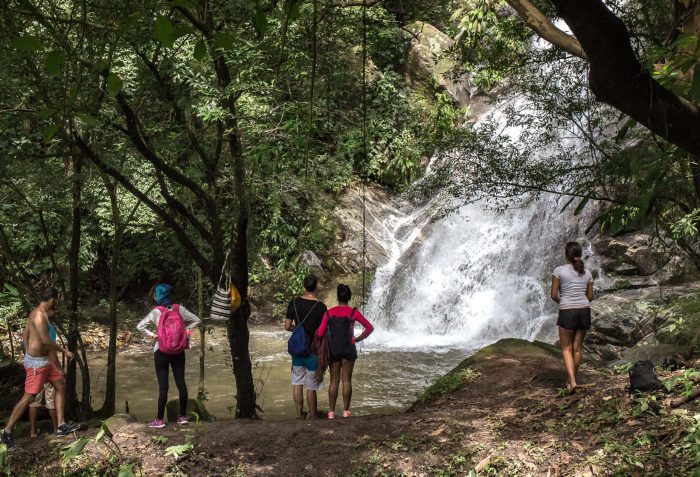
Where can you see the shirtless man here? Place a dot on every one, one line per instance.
(39, 367)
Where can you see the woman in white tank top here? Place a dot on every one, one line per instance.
(572, 288)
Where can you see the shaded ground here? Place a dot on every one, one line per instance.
(506, 418)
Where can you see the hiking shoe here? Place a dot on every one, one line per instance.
(7, 440)
(182, 420)
(346, 413)
(331, 415)
(65, 429)
(157, 424)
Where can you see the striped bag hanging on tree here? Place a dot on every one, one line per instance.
(221, 302)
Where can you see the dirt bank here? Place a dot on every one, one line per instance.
(499, 411)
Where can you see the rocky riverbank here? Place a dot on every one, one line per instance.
(648, 300)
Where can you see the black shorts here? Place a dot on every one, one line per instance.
(575, 319)
(351, 355)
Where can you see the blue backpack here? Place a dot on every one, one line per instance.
(299, 344)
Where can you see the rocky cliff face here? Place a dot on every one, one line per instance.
(647, 293)
(348, 256)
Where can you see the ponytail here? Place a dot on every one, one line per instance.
(573, 255)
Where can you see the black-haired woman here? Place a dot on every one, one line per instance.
(572, 288)
(339, 322)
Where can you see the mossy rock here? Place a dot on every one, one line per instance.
(464, 373)
(172, 410)
(510, 346)
(116, 422)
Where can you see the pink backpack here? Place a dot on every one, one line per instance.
(172, 332)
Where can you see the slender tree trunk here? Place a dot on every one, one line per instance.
(202, 337)
(314, 61)
(238, 333)
(74, 408)
(109, 405)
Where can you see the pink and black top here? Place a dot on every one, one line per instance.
(339, 323)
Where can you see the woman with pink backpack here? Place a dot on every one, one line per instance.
(171, 339)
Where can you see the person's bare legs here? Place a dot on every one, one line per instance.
(312, 403)
(578, 347)
(33, 414)
(54, 420)
(566, 342)
(333, 386)
(59, 400)
(298, 393)
(347, 367)
(19, 410)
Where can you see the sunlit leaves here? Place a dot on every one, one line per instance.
(74, 449)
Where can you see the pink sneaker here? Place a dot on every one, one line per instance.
(156, 424)
(346, 413)
(182, 420)
(331, 415)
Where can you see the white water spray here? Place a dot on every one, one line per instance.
(471, 278)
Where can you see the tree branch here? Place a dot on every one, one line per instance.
(542, 25)
(617, 78)
(186, 242)
(132, 126)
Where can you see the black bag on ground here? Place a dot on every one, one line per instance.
(643, 377)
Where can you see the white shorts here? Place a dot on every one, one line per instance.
(46, 396)
(303, 377)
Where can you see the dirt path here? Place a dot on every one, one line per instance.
(508, 421)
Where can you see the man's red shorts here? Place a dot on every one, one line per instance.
(37, 377)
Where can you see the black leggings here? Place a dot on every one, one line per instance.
(177, 362)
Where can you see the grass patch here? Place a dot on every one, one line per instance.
(448, 383)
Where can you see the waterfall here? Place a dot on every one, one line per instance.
(470, 278)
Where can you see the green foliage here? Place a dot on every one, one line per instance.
(490, 44)
(690, 446)
(179, 450)
(4, 466)
(449, 383)
(126, 470)
(76, 85)
(687, 381)
(73, 450)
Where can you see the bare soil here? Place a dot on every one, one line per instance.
(510, 420)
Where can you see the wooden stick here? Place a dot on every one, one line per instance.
(680, 401)
(483, 463)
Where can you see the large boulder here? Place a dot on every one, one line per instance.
(427, 59)
(314, 264)
(637, 317)
(623, 318)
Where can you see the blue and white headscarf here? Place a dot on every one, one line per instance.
(162, 291)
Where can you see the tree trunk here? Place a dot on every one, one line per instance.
(74, 408)
(238, 333)
(109, 405)
(617, 77)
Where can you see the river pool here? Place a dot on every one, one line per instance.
(384, 380)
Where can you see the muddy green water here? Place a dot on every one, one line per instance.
(384, 380)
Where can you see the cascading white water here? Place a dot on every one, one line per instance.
(470, 278)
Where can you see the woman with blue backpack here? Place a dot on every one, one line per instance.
(172, 323)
